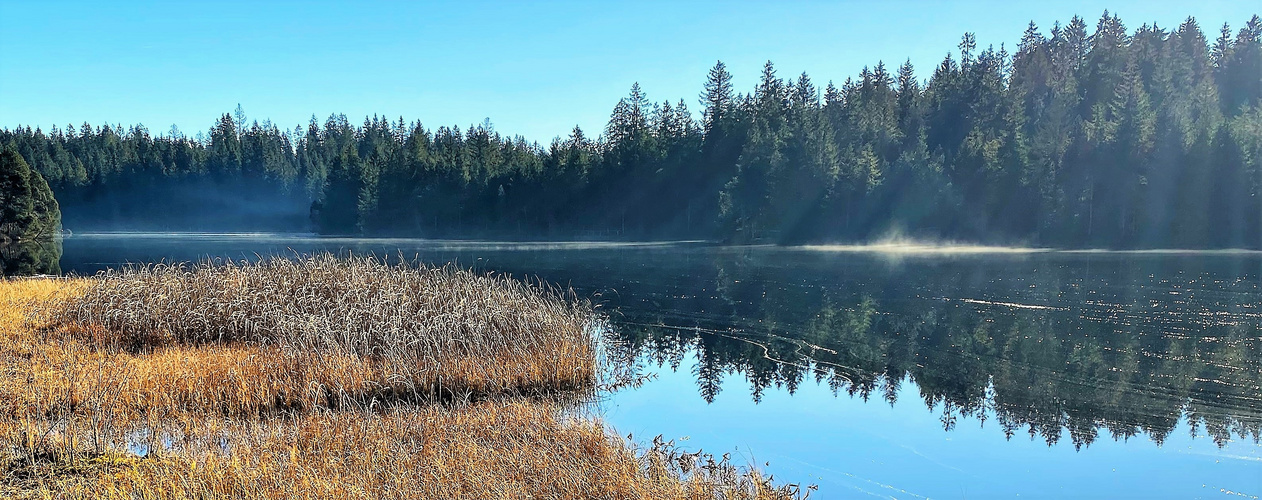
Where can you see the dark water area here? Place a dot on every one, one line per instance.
(898, 373)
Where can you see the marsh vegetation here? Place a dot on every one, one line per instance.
(317, 377)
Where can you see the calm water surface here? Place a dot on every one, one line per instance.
(896, 374)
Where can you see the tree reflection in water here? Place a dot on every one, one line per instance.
(30, 257)
(1049, 353)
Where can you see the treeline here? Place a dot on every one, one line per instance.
(111, 177)
(1150, 138)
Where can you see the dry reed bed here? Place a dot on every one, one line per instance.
(240, 338)
(360, 305)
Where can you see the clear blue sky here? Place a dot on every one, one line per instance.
(533, 68)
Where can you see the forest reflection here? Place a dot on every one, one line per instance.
(30, 257)
(1054, 350)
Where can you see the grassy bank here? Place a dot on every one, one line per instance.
(315, 378)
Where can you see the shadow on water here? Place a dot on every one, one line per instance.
(28, 258)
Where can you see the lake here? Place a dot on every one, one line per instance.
(894, 372)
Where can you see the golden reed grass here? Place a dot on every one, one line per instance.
(489, 449)
(314, 378)
(321, 330)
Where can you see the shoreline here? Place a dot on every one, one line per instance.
(899, 246)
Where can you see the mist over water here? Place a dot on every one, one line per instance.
(347, 242)
(922, 248)
(888, 245)
(897, 244)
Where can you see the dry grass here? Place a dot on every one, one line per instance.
(511, 449)
(406, 382)
(244, 339)
(359, 305)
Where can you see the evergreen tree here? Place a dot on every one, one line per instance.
(27, 208)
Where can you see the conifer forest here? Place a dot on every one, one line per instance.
(1080, 136)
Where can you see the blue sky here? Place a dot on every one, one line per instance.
(533, 68)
